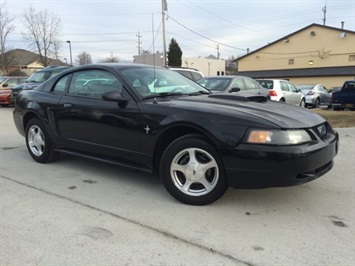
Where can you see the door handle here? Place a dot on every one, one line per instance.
(68, 105)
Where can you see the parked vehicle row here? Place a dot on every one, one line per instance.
(306, 95)
(158, 121)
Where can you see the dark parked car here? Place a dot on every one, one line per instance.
(36, 79)
(230, 84)
(200, 143)
(345, 97)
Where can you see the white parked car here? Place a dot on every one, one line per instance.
(190, 73)
(283, 91)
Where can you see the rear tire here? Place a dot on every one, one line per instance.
(192, 171)
(303, 103)
(317, 103)
(38, 142)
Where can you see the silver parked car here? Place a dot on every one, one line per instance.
(238, 84)
(315, 95)
(283, 91)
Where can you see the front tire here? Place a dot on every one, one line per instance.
(192, 171)
(38, 143)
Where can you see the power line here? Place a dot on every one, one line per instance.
(205, 36)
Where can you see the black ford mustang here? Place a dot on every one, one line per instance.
(156, 120)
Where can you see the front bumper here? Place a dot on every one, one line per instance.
(5, 98)
(262, 166)
(343, 105)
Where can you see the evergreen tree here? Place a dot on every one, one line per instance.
(174, 54)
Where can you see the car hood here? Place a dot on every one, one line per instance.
(280, 114)
(30, 85)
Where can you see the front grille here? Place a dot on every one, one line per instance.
(316, 172)
(322, 130)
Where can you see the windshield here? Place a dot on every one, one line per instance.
(215, 84)
(268, 84)
(305, 87)
(150, 82)
(39, 77)
(2, 80)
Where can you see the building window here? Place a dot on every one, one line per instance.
(291, 61)
(352, 58)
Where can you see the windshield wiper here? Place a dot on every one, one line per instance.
(199, 93)
(163, 94)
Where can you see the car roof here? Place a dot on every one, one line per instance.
(13, 77)
(226, 77)
(275, 79)
(115, 65)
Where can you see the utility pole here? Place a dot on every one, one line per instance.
(324, 9)
(218, 51)
(139, 43)
(163, 9)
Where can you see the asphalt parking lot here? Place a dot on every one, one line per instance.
(79, 212)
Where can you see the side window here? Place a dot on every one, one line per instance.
(11, 82)
(59, 87)
(284, 86)
(249, 84)
(196, 76)
(292, 87)
(93, 83)
(238, 83)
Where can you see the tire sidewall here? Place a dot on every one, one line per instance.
(47, 155)
(303, 103)
(317, 103)
(184, 142)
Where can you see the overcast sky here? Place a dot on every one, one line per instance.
(103, 27)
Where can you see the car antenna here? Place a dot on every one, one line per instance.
(155, 98)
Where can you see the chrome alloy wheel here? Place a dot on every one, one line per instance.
(36, 140)
(194, 172)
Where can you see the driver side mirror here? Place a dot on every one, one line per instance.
(234, 89)
(115, 96)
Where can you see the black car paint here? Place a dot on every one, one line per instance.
(146, 127)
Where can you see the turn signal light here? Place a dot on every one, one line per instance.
(259, 136)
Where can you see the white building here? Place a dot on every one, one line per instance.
(208, 66)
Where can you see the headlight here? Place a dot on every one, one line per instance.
(277, 137)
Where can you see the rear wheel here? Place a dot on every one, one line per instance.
(38, 143)
(317, 103)
(192, 172)
(303, 103)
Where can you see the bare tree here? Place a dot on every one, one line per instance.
(84, 58)
(111, 59)
(6, 27)
(43, 28)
